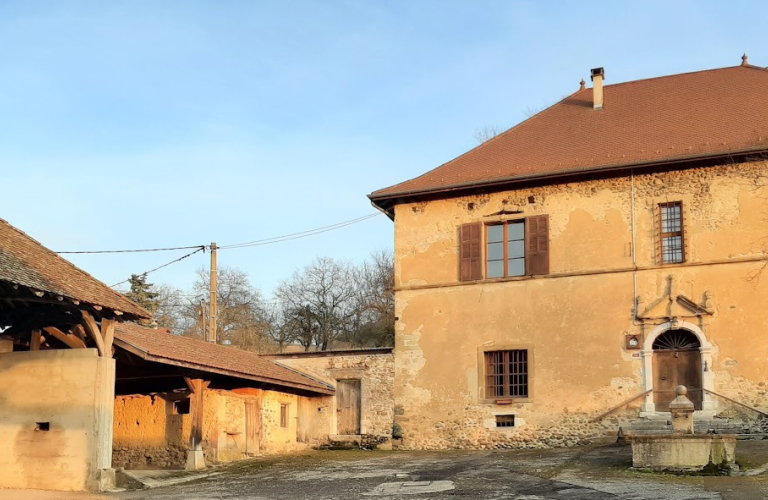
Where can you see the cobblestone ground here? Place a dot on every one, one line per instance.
(575, 473)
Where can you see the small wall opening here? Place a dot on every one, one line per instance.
(181, 407)
(505, 420)
(42, 426)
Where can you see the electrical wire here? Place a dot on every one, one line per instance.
(138, 250)
(199, 249)
(302, 234)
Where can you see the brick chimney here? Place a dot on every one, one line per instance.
(597, 92)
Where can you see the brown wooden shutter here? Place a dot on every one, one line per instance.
(537, 245)
(471, 264)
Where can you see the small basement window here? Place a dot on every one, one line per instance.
(42, 426)
(181, 407)
(505, 420)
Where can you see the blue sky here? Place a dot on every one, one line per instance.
(172, 123)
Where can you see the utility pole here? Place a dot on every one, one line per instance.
(214, 312)
(204, 319)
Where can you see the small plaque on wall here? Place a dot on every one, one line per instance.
(632, 342)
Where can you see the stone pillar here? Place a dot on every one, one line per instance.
(682, 412)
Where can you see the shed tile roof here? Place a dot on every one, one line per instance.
(685, 116)
(25, 262)
(162, 346)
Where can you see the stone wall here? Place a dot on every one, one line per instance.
(148, 434)
(574, 321)
(55, 419)
(375, 369)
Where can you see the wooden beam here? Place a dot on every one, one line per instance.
(69, 339)
(108, 331)
(93, 331)
(78, 330)
(37, 339)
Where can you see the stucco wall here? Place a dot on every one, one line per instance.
(148, 434)
(376, 372)
(574, 320)
(73, 391)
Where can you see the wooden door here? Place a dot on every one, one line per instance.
(252, 427)
(672, 368)
(348, 407)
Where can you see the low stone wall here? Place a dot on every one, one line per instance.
(375, 368)
(137, 458)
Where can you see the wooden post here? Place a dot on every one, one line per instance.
(37, 338)
(195, 459)
(197, 409)
(213, 316)
(108, 332)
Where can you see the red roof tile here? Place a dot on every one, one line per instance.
(162, 346)
(25, 262)
(692, 115)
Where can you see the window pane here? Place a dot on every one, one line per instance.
(517, 267)
(496, 269)
(495, 233)
(495, 251)
(516, 231)
(516, 249)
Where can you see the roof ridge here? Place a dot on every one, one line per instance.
(673, 75)
(77, 269)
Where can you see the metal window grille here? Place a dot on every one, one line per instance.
(506, 373)
(672, 232)
(505, 420)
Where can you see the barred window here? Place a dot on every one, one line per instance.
(672, 232)
(506, 373)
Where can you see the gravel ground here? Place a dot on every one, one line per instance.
(593, 473)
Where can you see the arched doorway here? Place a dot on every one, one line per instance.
(676, 361)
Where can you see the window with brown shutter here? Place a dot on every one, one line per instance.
(471, 264)
(672, 237)
(537, 244)
(517, 247)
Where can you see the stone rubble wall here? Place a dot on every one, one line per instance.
(377, 374)
(575, 320)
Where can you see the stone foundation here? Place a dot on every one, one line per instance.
(145, 458)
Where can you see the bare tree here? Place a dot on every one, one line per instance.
(320, 299)
(375, 325)
(242, 318)
(486, 133)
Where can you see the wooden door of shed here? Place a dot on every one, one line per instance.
(304, 419)
(672, 368)
(348, 406)
(252, 427)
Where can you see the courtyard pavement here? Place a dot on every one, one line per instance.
(593, 473)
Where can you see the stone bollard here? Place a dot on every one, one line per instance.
(682, 412)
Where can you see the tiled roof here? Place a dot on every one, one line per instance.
(687, 116)
(161, 346)
(25, 262)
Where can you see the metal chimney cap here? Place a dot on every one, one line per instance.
(597, 72)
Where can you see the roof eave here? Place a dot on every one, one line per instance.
(138, 351)
(378, 200)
